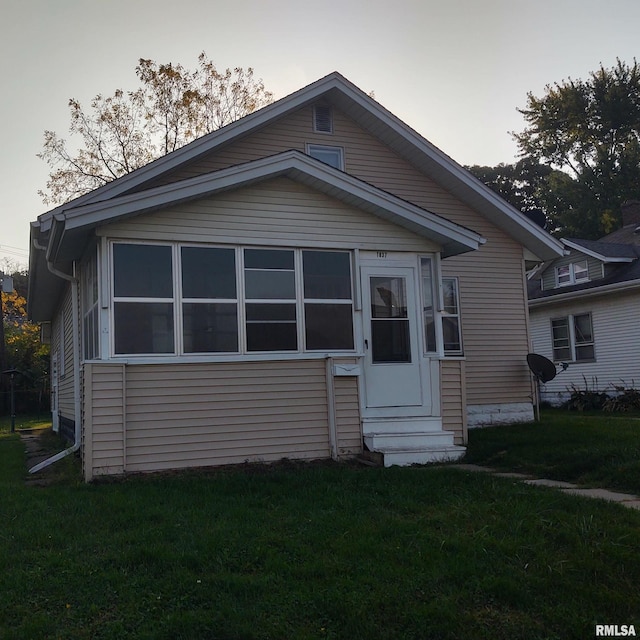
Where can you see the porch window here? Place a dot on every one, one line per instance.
(270, 294)
(428, 307)
(451, 329)
(143, 299)
(90, 313)
(328, 306)
(572, 338)
(209, 300)
(178, 299)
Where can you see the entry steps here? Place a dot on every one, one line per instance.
(405, 442)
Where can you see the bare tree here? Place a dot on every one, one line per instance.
(126, 130)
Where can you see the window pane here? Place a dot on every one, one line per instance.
(271, 312)
(270, 285)
(582, 328)
(327, 275)
(449, 295)
(329, 155)
(563, 274)
(560, 334)
(210, 327)
(268, 259)
(580, 271)
(143, 327)
(390, 341)
(142, 271)
(271, 327)
(451, 334)
(208, 273)
(388, 297)
(585, 352)
(328, 326)
(428, 309)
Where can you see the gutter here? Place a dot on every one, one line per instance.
(75, 322)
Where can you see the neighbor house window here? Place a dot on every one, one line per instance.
(573, 273)
(451, 329)
(90, 313)
(333, 156)
(572, 338)
(179, 299)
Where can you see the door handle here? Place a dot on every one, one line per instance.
(366, 344)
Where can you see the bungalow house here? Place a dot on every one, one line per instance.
(584, 311)
(313, 280)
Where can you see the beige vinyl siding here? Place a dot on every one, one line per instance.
(171, 416)
(276, 212)
(104, 419)
(494, 328)
(452, 383)
(347, 411)
(197, 415)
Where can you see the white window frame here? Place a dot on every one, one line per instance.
(325, 148)
(573, 343)
(242, 352)
(576, 272)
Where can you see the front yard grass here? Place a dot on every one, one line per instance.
(318, 550)
(594, 450)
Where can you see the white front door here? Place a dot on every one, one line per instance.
(395, 378)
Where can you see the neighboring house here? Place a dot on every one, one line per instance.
(584, 311)
(310, 281)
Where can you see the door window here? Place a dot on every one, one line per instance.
(390, 340)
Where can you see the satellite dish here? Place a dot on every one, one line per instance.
(542, 368)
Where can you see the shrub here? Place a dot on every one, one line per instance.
(586, 399)
(623, 400)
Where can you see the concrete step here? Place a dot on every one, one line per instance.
(406, 457)
(407, 440)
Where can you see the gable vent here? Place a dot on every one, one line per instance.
(322, 118)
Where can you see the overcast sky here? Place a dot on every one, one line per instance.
(454, 70)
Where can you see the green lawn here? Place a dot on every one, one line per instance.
(588, 449)
(316, 550)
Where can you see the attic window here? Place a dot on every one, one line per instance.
(333, 156)
(322, 118)
(572, 273)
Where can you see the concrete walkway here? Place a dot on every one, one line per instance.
(625, 499)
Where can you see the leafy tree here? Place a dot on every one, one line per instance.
(126, 130)
(523, 184)
(21, 348)
(590, 131)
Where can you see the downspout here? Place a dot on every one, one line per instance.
(75, 322)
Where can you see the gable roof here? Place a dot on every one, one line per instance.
(625, 276)
(604, 251)
(71, 228)
(371, 116)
